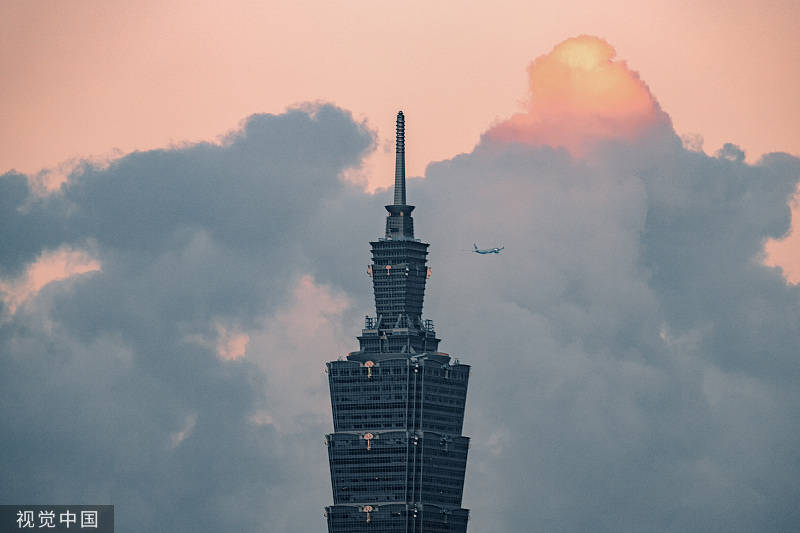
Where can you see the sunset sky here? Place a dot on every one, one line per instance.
(99, 79)
(187, 190)
(88, 78)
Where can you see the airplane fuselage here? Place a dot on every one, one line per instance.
(486, 251)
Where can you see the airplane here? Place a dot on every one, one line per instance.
(487, 251)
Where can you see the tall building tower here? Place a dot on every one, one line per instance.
(397, 455)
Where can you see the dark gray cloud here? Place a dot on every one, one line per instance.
(112, 390)
(635, 364)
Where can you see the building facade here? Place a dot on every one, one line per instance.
(397, 456)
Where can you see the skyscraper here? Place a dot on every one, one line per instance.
(397, 456)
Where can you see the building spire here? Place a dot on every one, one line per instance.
(400, 162)
(399, 224)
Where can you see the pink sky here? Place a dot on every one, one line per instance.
(88, 78)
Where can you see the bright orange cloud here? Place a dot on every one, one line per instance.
(579, 94)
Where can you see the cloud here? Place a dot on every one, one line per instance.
(132, 384)
(634, 362)
(231, 343)
(53, 265)
(292, 347)
(580, 95)
(782, 253)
